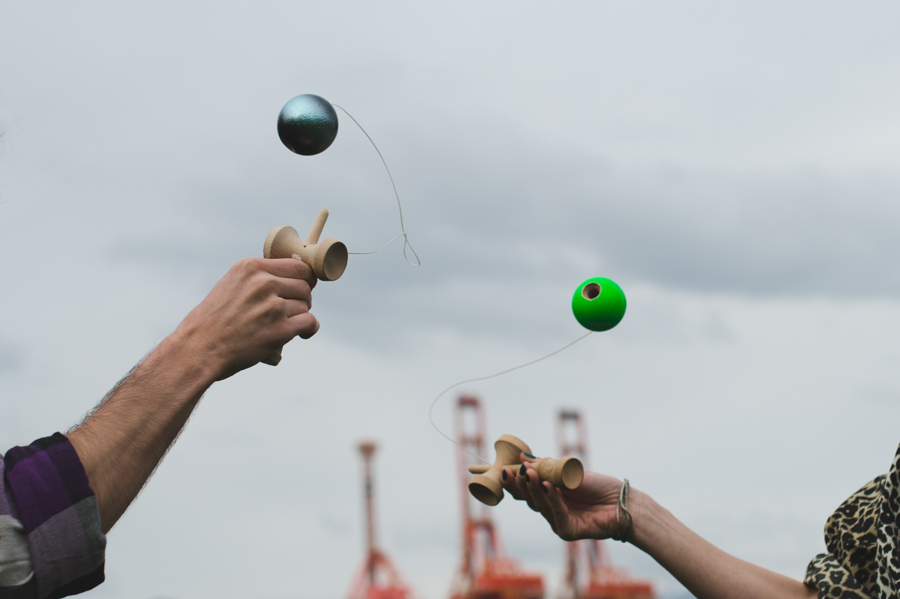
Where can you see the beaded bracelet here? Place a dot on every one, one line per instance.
(624, 525)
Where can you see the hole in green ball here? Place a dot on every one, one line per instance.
(591, 291)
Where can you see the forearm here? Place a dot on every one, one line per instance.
(257, 307)
(706, 571)
(121, 444)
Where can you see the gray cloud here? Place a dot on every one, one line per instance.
(504, 240)
(505, 213)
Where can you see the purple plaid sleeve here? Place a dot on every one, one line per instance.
(16, 573)
(53, 502)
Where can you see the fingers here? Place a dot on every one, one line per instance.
(528, 486)
(536, 489)
(257, 306)
(583, 513)
(549, 501)
(521, 481)
(508, 480)
(293, 289)
(513, 479)
(281, 292)
(528, 482)
(293, 307)
(296, 297)
(304, 325)
(557, 512)
(289, 268)
(537, 494)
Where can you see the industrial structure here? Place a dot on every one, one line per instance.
(377, 578)
(589, 573)
(485, 571)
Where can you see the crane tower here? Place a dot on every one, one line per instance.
(485, 571)
(589, 573)
(377, 578)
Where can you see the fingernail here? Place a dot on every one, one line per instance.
(528, 455)
(527, 479)
(546, 490)
(504, 474)
(522, 469)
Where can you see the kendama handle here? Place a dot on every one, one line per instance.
(316, 231)
(566, 473)
(274, 358)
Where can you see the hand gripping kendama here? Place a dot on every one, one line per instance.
(327, 258)
(566, 472)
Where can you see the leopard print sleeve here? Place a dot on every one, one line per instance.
(861, 537)
(886, 556)
(833, 579)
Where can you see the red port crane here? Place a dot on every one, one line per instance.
(485, 572)
(378, 578)
(589, 572)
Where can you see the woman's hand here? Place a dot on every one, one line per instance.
(588, 512)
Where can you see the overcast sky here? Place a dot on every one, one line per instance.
(735, 169)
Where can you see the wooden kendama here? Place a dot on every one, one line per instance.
(327, 258)
(566, 472)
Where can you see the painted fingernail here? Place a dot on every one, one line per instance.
(527, 479)
(522, 469)
(546, 490)
(528, 455)
(504, 474)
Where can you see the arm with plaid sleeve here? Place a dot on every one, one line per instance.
(51, 542)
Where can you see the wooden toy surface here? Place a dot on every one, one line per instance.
(328, 258)
(566, 472)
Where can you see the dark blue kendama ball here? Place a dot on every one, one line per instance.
(307, 124)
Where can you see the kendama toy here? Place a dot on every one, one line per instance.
(566, 472)
(327, 258)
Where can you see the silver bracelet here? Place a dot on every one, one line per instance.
(624, 521)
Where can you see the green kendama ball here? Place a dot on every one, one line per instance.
(598, 304)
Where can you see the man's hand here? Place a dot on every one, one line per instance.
(257, 307)
(588, 512)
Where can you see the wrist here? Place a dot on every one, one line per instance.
(193, 351)
(649, 520)
(183, 358)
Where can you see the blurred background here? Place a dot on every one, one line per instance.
(735, 168)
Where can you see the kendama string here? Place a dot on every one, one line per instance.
(406, 243)
(484, 378)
